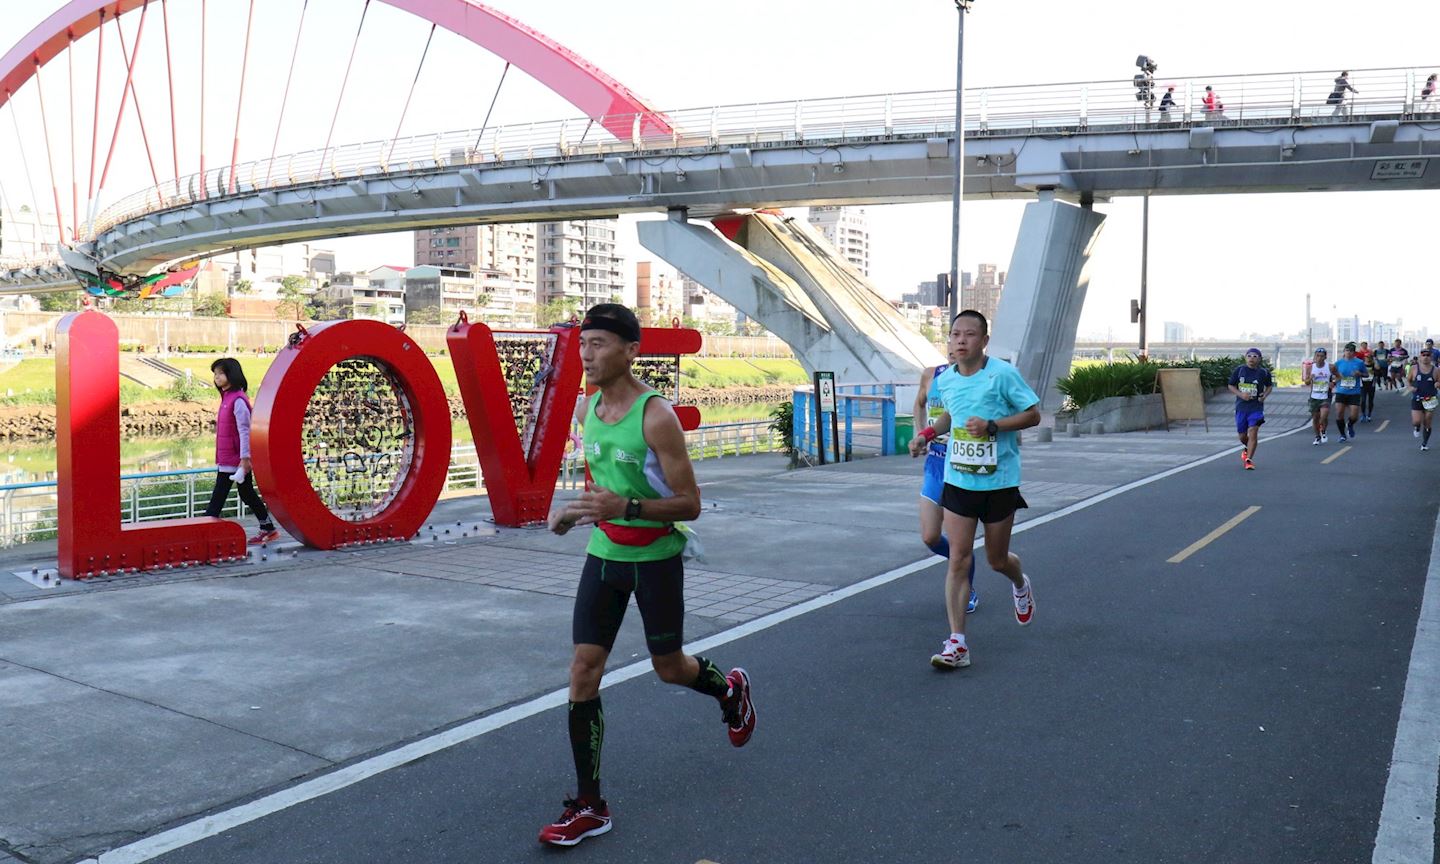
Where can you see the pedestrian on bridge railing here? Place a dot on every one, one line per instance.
(1214, 108)
(1425, 94)
(1167, 102)
(1337, 96)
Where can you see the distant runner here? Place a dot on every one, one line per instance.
(1347, 374)
(1250, 383)
(1423, 403)
(1317, 376)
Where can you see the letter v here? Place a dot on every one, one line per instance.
(520, 484)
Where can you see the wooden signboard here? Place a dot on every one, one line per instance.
(1184, 397)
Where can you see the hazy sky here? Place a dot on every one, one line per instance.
(1222, 264)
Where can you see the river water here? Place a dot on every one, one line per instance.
(30, 463)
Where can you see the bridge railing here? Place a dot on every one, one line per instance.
(28, 511)
(1025, 109)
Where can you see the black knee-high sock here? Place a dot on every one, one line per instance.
(587, 737)
(711, 681)
(1426, 440)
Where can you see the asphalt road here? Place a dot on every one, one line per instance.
(1239, 706)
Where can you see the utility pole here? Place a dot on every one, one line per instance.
(962, 8)
(1309, 329)
(1144, 277)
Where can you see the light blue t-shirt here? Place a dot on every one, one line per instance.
(1347, 376)
(993, 392)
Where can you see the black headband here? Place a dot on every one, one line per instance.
(623, 329)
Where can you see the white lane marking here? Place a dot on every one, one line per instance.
(1407, 818)
(224, 820)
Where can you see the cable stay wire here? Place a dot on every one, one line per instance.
(240, 99)
(339, 100)
(284, 99)
(410, 95)
(486, 122)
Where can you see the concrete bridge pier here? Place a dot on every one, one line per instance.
(1034, 327)
(782, 274)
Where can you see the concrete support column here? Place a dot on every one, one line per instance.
(1034, 328)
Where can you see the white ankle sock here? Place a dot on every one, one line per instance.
(958, 637)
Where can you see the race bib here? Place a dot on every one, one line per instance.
(1349, 383)
(1319, 389)
(932, 413)
(972, 455)
(1429, 402)
(1249, 388)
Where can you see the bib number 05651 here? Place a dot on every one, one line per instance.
(972, 455)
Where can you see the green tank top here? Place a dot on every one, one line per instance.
(621, 461)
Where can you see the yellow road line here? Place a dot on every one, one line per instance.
(1213, 535)
(1382, 426)
(1336, 455)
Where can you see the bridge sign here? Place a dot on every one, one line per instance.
(1399, 169)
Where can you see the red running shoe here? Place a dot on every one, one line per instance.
(1024, 603)
(1249, 466)
(263, 536)
(581, 819)
(1245, 453)
(738, 710)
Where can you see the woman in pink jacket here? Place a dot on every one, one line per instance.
(232, 447)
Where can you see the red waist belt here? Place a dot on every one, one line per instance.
(633, 535)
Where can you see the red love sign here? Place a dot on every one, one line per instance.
(520, 482)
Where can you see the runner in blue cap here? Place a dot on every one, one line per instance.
(1250, 383)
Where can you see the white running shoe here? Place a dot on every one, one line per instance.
(1324, 439)
(952, 655)
(1316, 442)
(1025, 600)
(1416, 431)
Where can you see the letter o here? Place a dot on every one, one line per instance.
(277, 433)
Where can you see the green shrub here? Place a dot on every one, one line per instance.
(1091, 383)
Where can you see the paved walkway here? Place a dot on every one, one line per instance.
(1155, 712)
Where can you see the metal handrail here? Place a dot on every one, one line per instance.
(28, 511)
(1283, 98)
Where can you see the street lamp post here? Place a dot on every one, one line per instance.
(961, 8)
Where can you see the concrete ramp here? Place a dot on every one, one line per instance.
(784, 275)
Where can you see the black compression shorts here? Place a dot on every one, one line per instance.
(604, 594)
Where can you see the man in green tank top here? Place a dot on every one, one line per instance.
(641, 483)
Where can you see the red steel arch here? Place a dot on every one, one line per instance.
(581, 83)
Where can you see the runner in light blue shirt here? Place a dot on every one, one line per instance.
(986, 404)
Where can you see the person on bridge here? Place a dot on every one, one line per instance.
(1167, 102)
(928, 404)
(982, 472)
(1214, 108)
(1428, 93)
(1251, 383)
(1347, 374)
(1337, 96)
(642, 483)
(1317, 376)
(232, 448)
(1423, 403)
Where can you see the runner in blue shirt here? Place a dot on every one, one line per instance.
(929, 406)
(1250, 383)
(1349, 369)
(990, 403)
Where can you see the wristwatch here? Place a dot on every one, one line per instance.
(992, 428)
(632, 508)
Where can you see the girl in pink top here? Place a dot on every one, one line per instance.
(232, 447)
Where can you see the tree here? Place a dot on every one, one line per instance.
(244, 286)
(294, 299)
(427, 315)
(556, 311)
(60, 301)
(210, 306)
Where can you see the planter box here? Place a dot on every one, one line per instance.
(1124, 413)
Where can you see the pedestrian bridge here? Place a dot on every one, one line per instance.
(1086, 142)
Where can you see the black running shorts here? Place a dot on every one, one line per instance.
(1347, 398)
(604, 593)
(994, 505)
